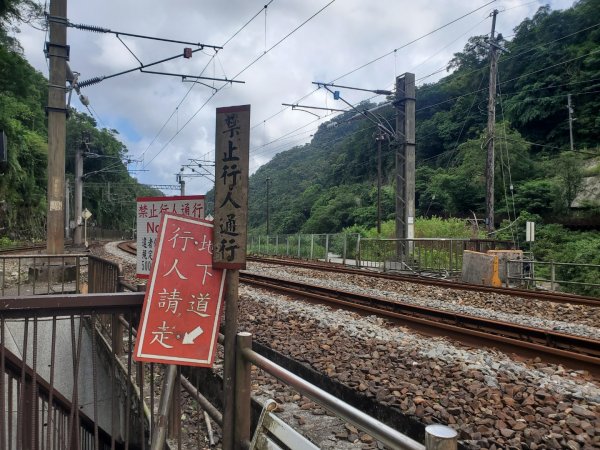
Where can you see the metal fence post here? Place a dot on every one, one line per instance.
(440, 437)
(298, 245)
(552, 275)
(312, 245)
(358, 251)
(344, 249)
(243, 377)
(326, 247)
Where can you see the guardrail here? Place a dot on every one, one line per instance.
(552, 275)
(338, 247)
(437, 437)
(61, 385)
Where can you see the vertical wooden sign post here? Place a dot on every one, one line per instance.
(232, 143)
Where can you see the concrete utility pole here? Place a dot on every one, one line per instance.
(58, 54)
(570, 106)
(268, 227)
(77, 239)
(379, 136)
(405, 157)
(491, 125)
(67, 209)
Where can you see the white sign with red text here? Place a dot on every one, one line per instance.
(149, 211)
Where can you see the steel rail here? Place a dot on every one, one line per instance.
(514, 292)
(549, 342)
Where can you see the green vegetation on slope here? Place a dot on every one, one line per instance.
(330, 183)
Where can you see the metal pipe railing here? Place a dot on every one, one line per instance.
(444, 438)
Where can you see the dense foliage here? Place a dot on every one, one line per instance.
(330, 183)
(109, 191)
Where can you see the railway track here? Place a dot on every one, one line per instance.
(530, 341)
(557, 346)
(557, 297)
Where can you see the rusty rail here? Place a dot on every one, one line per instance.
(568, 347)
(513, 292)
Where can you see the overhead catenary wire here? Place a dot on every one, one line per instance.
(202, 72)
(237, 75)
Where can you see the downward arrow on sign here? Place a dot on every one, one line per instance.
(188, 338)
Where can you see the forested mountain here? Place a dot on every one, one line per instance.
(109, 191)
(330, 183)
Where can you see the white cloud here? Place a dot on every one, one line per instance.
(344, 36)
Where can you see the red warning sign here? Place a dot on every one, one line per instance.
(183, 302)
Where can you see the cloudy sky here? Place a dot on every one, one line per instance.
(166, 122)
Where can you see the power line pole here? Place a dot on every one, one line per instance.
(570, 106)
(58, 54)
(268, 226)
(489, 167)
(379, 136)
(77, 234)
(405, 158)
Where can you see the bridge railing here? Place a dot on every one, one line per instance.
(62, 384)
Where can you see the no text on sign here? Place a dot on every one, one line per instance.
(232, 141)
(182, 307)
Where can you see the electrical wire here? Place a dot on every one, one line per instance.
(413, 41)
(237, 75)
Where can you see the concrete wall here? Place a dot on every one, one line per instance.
(480, 268)
(515, 269)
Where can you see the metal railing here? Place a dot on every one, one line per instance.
(61, 384)
(422, 255)
(438, 437)
(338, 247)
(554, 276)
(41, 274)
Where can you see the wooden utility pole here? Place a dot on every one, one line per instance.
(570, 106)
(491, 125)
(405, 157)
(58, 54)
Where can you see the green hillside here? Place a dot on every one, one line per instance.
(330, 183)
(108, 192)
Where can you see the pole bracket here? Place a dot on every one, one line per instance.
(58, 110)
(48, 46)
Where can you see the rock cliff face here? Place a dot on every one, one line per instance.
(589, 194)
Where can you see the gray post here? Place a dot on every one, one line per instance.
(243, 390)
(570, 106)
(312, 245)
(58, 53)
(159, 435)
(491, 125)
(298, 245)
(345, 249)
(405, 158)
(67, 209)
(358, 251)
(78, 196)
(552, 275)
(326, 247)
(440, 437)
